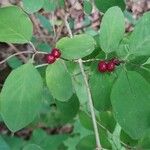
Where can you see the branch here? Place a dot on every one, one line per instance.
(36, 24)
(88, 91)
(42, 65)
(17, 50)
(19, 53)
(91, 105)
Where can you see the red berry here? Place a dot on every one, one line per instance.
(102, 66)
(110, 66)
(49, 58)
(56, 53)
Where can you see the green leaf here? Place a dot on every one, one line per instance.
(59, 81)
(80, 88)
(21, 96)
(115, 138)
(147, 62)
(77, 47)
(47, 142)
(100, 85)
(85, 120)
(144, 142)
(107, 120)
(45, 22)
(52, 5)
(87, 6)
(14, 62)
(32, 147)
(14, 142)
(43, 47)
(112, 29)
(140, 38)
(31, 6)
(127, 139)
(3, 144)
(131, 102)
(87, 143)
(69, 108)
(15, 25)
(49, 5)
(103, 5)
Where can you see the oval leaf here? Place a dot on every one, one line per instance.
(31, 6)
(87, 143)
(69, 108)
(131, 102)
(100, 85)
(103, 5)
(112, 29)
(87, 6)
(59, 81)
(140, 38)
(77, 47)
(15, 25)
(3, 144)
(21, 97)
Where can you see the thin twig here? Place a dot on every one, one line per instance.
(67, 25)
(91, 106)
(19, 53)
(36, 24)
(42, 65)
(32, 45)
(88, 91)
(103, 127)
(89, 60)
(24, 59)
(53, 25)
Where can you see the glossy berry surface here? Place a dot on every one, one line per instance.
(56, 53)
(49, 58)
(110, 66)
(102, 66)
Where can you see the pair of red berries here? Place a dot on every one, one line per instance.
(51, 57)
(104, 66)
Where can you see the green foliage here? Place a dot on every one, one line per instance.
(15, 142)
(87, 6)
(103, 5)
(85, 120)
(55, 74)
(46, 141)
(80, 88)
(64, 107)
(101, 85)
(31, 6)
(112, 29)
(3, 144)
(14, 62)
(87, 143)
(45, 22)
(55, 95)
(139, 41)
(52, 5)
(17, 106)
(32, 147)
(77, 47)
(132, 109)
(15, 25)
